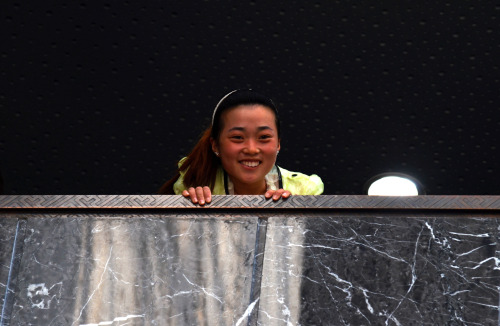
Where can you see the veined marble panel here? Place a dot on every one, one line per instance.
(321, 260)
(136, 270)
(419, 270)
(7, 238)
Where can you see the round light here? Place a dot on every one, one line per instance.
(393, 184)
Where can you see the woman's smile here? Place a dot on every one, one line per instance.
(250, 164)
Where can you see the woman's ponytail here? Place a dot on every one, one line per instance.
(199, 167)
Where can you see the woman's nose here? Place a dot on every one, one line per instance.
(251, 147)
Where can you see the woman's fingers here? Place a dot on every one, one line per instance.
(277, 194)
(199, 195)
(286, 194)
(208, 194)
(192, 195)
(203, 195)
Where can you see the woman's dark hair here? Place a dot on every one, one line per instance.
(241, 97)
(201, 164)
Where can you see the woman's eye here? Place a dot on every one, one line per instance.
(265, 136)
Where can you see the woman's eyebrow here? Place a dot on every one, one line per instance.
(243, 129)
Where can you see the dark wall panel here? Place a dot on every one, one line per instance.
(106, 97)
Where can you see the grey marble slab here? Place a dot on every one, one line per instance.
(8, 228)
(136, 270)
(387, 270)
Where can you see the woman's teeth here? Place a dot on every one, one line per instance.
(250, 164)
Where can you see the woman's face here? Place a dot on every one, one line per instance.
(247, 146)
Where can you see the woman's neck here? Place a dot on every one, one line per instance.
(245, 189)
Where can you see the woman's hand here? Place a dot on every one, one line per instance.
(198, 195)
(277, 194)
(201, 195)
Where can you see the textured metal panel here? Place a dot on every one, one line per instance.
(294, 202)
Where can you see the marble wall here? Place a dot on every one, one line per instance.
(139, 270)
(381, 270)
(8, 228)
(249, 266)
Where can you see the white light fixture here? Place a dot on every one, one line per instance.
(393, 184)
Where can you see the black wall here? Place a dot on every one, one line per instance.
(105, 97)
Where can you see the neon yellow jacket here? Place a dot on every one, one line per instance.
(295, 182)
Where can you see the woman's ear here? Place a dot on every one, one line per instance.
(215, 148)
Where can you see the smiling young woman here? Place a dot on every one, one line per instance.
(237, 154)
(247, 146)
